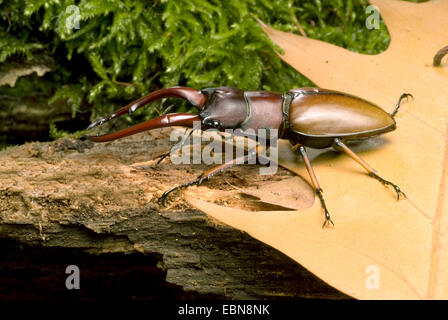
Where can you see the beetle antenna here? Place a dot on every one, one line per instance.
(397, 106)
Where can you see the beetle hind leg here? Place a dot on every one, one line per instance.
(315, 183)
(338, 144)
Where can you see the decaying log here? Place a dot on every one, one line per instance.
(25, 113)
(95, 206)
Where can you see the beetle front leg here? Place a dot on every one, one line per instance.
(206, 175)
(339, 144)
(210, 172)
(178, 146)
(315, 183)
(163, 198)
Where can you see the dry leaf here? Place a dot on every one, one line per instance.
(280, 193)
(380, 248)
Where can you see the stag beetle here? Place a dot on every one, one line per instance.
(307, 117)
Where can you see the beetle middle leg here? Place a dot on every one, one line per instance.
(314, 181)
(339, 144)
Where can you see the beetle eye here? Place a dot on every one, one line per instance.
(212, 123)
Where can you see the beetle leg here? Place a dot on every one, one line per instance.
(369, 169)
(176, 147)
(397, 106)
(162, 199)
(210, 172)
(385, 182)
(184, 140)
(314, 181)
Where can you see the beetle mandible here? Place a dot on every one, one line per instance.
(307, 117)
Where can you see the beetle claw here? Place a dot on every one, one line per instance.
(164, 196)
(397, 106)
(406, 95)
(398, 191)
(327, 220)
(162, 199)
(386, 182)
(161, 158)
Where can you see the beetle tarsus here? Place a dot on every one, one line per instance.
(314, 181)
(206, 175)
(386, 182)
(161, 158)
(177, 146)
(164, 196)
(185, 138)
(328, 220)
(397, 106)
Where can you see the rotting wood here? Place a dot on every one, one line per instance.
(102, 199)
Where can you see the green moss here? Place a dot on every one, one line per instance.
(55, 133)
(3, 144)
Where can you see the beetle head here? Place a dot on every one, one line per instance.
(224, 108)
